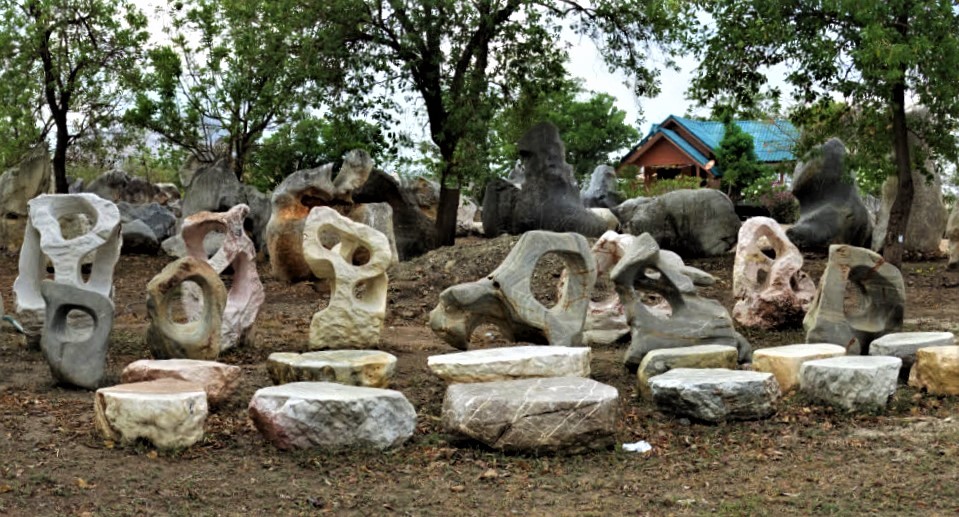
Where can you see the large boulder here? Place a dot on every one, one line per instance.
(161, 220)
(602, 191)
(138, 239)
(414, 231)
(27, 180)
(952, 233)
(117, 186)
(927, 217)
(215, 188)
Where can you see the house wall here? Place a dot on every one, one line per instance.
(662, 153)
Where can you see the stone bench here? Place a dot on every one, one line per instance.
(301, 415)
(370, 368)
(507, 363)
(169, 413)
(784, 361)
(905, 344)
(661, 361)
(852, 382)
(218, 380)
(936, 370)
(715, 394)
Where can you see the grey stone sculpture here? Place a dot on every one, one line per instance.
(197, 339)
(215, 188)
(602, 191)
(73, 359)
(504, 297)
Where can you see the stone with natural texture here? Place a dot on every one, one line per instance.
(466, 223)
(830, 209)
(415, 232)
(785, 361)
(602, 191)
(715, 394)
(504, 297)
(138, 239)
(904, 345)
(118, 186)
(608, 217)
(952, 234)
(771, 292)
(378, 216)
(370, 368)
(195, 339)
(18, 185)
(693, 223)
(161, 220)
(927, 216)
(219, 380)
(880, 298)
(302, 415)
(167, 412)
(661, 361)
(555, 414)
(854, 383)
(936, 370)
(357, 307)
(76, 353)
(508, 363)
(215, 188)
(692, 320)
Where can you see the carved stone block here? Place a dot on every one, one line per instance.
(196, 339)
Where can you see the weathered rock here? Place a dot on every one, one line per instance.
(548, 199)
(854, 383)
(608, 217)
(466, 223)
(927, 217)
(302, 415)
(218, 380)
(880, 297)
(784, 362)
(504, 298)
(168, 413)
(370, 368)
(936, 370)
(176, 248)
(508, 363)
(215, 188)
(904, 345)
(661, 361)
(771, 292)
(378, 216)
(357, 307)
(555, 414)
(161, 220)
(952, 234)
(830, 210)
(602, 191)
(425, 192)
(196, 339)
(18, 185)
(693, 223)
(138, 239)
(693, 320)
(118, 186)
(190, 167)
(715, 394)
(76, 353)
(415, 232)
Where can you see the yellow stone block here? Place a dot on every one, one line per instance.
(784, 361)
(936, 370)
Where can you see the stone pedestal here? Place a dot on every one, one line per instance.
(936, 370)
(219, 380)
(904, 345)
(508, 363)
(854, 383)
(784, 362)
(370, 368)
(715, 394)
(169, 413)
(702, 356)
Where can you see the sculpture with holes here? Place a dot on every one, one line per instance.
(692, 320)
(770, 292)
(876, 307)
(356, 270)
(237, 251)
(504, 297)
(76, 356)
(197, 338)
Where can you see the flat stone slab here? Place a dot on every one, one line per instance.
(716, 394)
(169, 413)
(508, 363)
(852, 382)
(661, 361)
(219, 380)
(904, 345)
(784, 361)
(554, 414)
(936, 370)
(370, 368)
(302, 415)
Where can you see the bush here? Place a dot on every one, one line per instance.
(782, 205)
(631, 188)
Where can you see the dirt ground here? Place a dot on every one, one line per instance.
(806, 459)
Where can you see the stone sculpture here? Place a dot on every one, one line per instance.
(504, 297)
(952, 233)
(354, 316)
(927, 217)
(73, 358)
(693, 320)
(415, 232)
(880, 297)
(830, 210)
(602, 191)
(246, 294)
(18, 185)
(196, 339)
(771, 292)
(215, 188)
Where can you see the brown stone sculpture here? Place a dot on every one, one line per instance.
(504, 297)
(770, 292)
(196, 339)
(880, 296)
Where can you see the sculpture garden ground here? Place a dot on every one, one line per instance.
(806, 458)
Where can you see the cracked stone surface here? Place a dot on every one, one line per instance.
(904, 345)
(556, 414)
(168, 413)
(507, 363)
(701, 356)
(716, 394)
(936, 370)
(784, 362)
(854, 383)
(197, 339)
(219, 380)
(370, 368)
(75, 349)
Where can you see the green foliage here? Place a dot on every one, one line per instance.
(630, 187)
(769, 192)
(736, 157)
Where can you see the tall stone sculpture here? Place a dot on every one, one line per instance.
(357, 308)
(693, 320)
(770, 292)
(195, 339)
(246, 292)
(73, 358)
(504, 297)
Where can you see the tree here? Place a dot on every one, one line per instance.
(74, 50)
(871, 53)
(458, 57)
(736, 157)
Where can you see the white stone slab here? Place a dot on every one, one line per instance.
(904, 345)
(169, 413)
(518, 362)
(716, 394)
(784, 361)
(370, 368)
(852, 382)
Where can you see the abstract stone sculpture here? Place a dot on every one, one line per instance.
(74, 359)
(246, 292)
(354, 316)
(196, 339)
(952, 233)
(693, 320)
(18, 185)
(880, 297)
(215, 188)
(504, 297)
(602, 191)
(771, 292)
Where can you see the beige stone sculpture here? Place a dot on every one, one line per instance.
(504, 297)
(246, 291)
(770, 292)
(880, 296)
(18, 185)
(196, 339)
(354, 316)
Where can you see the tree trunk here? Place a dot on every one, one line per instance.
(446, 216)
(60, 157)
(899, 214)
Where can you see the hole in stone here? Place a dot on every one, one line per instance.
(854, 300)
(652, 273)
(323, 289)
(360, 290)
(487, 335)
(79, 326)
(544, 282)
(73, 225)
(361, 255)
(656, 304)
(761, 276)
(212, 242)
(185, 303)
(329, 239)
(770, 252)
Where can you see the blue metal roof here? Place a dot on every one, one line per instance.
(687, 148)
(773, 139)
